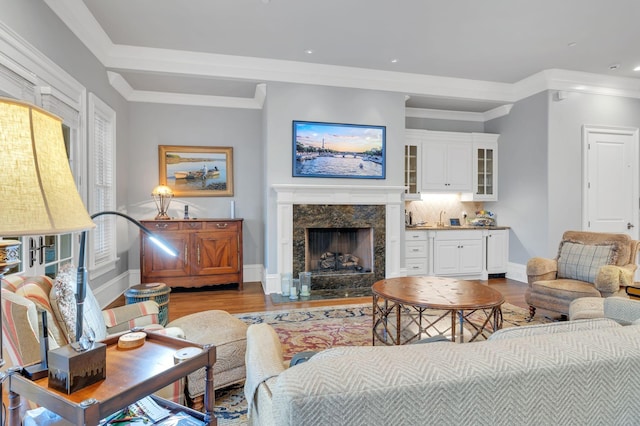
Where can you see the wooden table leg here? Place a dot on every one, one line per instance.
(209, 392)
(14, 409)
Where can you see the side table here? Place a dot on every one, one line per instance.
(131, 375)
(158, 292)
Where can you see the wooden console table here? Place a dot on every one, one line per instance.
(132, 374)
(209, 252)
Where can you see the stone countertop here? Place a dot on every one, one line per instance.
(451, 228)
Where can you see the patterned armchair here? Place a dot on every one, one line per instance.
(23, 296)
(588, 264)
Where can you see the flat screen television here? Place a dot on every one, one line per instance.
(333, 150)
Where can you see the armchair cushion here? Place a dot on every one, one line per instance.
(611, 277)
(582, 262)
(123, 318)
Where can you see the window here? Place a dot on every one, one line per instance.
(102, 187)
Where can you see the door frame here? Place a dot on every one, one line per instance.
(587, 130)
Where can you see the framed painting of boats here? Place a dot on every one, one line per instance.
(197, 171)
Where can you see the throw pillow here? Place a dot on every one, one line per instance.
(63, 302)
(582, 261)
(36, 289)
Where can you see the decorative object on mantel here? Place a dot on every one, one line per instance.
(40, 189)
(162, 195)
(196, 171)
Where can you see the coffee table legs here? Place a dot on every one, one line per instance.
(398, 324)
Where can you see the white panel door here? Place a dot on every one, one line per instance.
(611, 193)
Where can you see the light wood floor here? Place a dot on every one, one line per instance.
(252, 299)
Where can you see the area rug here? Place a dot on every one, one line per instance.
(317, 329)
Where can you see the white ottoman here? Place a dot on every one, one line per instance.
(229, 335)
(586, 308)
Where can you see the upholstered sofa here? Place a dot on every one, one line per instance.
(588, 264)
(577, 372)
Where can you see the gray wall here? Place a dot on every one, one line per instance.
(155, 124)
(287, 102)
(541, 165)
(566, 118)
(523, 177)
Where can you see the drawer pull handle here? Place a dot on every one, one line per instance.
(161, 225)
(185, 254)
(221, 225)
(198, 254)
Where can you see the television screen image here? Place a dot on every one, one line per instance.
(334, 150)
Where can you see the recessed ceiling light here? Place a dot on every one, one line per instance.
(394, 61)
(614, 67)
(308, 51)
(637, 68)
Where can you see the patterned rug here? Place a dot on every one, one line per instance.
(317, 329)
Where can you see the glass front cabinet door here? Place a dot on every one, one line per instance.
(412, 166)
(485, 174)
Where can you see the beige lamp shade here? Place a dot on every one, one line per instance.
(37, 188)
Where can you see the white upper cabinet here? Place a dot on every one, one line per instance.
(485, 167)
(412, 159)
(437, 162)
(447, 162)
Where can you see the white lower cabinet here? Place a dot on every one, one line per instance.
(416, 253)
(458, 253)
(466, 253)
(497, 251)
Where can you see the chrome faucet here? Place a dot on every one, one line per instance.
(441, 223)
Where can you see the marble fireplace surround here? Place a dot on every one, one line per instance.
(289, 195)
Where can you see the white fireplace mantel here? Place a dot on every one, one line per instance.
(290, 194)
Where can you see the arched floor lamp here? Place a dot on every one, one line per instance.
(81, 289)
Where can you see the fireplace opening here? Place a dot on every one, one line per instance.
(330, 251)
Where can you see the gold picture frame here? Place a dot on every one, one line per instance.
(197, 171)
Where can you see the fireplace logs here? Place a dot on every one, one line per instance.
(338, 261)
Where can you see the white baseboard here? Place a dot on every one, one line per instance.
(112, 289)
(517, 272)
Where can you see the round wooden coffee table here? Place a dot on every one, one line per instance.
(406, 309)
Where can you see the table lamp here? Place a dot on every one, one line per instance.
(38, 189)
(162, 195)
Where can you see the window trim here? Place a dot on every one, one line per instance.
(98, 109)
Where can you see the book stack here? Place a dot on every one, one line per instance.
(633, 292)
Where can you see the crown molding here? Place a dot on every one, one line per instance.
(77, 17)
(440, 114)
(132, 95)
(83, 24)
